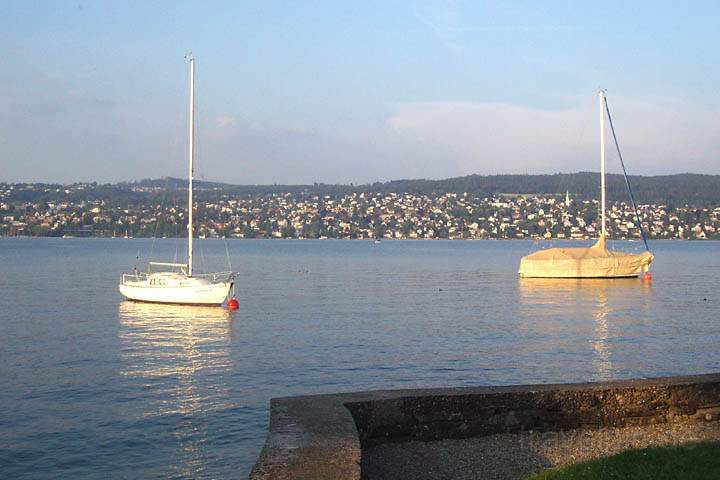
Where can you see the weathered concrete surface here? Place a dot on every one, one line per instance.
(317, 437)
(480, 412)
(312, 437)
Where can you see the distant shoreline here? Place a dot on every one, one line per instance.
(370, 240)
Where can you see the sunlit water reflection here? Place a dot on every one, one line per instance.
(604, 302)
(181, 354)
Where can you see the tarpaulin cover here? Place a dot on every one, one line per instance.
(591, 262)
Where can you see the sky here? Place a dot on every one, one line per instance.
(354, 92)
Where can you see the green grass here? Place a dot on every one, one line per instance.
(695, 461)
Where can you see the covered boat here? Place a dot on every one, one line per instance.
(595, 261)
(590, 262)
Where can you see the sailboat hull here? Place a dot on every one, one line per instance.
(592, 262)
(189, 291)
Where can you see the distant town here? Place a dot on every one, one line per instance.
(148, 211)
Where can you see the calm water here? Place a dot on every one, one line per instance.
(94, 387)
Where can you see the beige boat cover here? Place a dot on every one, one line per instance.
(591, 262)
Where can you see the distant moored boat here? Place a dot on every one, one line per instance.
(179, 284)
(592, 262)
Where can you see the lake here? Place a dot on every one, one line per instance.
(97, 387)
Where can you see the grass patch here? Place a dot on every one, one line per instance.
(695, 461)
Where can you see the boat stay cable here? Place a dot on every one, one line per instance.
(201, 174)
(625, 175)
(163, 200)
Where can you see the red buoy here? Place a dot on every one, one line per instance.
(647, 276)
(233, 304)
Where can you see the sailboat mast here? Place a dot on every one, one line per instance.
(190, 168)
(601, 96)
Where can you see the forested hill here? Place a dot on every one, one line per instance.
(679, 189)
(687, 188)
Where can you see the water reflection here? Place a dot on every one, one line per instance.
(602, 300)
(601, 360)
(178, 358)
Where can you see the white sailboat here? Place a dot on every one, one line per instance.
(592, 262)
(176, 283)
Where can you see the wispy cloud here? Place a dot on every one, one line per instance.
(225, 121)
(525, 28)
(231, 125)
(658, 135)
(443, 21)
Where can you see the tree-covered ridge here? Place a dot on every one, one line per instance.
(680, 189)
(683, 188)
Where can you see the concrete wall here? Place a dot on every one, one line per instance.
(538, 407)
(322, 436)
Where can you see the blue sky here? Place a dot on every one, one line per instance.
(295, 92)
